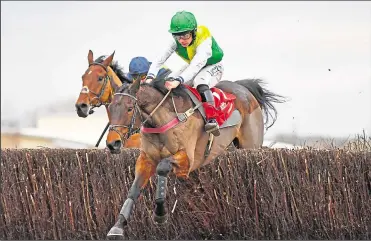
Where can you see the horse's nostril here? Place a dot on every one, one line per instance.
(117, 144)
(114, 145)
(84, 106)
(81, 106)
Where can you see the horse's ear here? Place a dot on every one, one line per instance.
(108, 60)
(134, 87)
(90, 57)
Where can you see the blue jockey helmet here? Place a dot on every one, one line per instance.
(139, 65)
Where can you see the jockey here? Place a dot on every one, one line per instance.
(196, 46)
(138, 68)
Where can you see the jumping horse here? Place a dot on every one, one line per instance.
(173, 136)
(97, 90)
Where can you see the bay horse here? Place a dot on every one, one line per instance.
(97, 90)
(173, 135)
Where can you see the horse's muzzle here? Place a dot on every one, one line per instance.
(82, 110)
(114, 146)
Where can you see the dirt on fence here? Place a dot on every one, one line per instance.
(264, 194)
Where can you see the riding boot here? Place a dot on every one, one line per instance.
(207, 96)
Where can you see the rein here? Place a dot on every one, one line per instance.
(181, 117)
(159, 104)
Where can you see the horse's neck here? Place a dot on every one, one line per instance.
(114, 75)
(108, 115)
(115, 79)
(161, 116)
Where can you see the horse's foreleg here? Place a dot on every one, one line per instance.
(163, 169)
(180, 162)
(144, 169)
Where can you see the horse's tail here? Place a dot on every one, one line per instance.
(265, 97)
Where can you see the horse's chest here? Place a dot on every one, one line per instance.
(160, 146)
(169, 144)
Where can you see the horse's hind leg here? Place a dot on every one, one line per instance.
(144, 169)
(251, 133)
(163, 169)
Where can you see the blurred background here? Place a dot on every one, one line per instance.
(318, 54)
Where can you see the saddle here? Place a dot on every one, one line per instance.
(224, 104)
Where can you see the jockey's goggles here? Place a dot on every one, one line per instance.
(183, 36)
(136, 76)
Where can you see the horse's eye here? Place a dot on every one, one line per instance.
(130, 109)
(100, 78)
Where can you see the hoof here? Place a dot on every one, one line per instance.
(159, 219)
(115, 232)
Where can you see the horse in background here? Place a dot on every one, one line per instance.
(97, 90)
(96, 85)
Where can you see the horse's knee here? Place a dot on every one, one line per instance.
(164, 167)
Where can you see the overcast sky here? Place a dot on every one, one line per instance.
(316, 53)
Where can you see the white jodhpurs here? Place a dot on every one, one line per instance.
(209, 75)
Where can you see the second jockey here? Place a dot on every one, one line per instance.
(138, 68)
(196, 46)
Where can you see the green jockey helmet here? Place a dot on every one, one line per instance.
(182, 22)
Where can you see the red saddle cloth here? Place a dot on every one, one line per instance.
(224, 104)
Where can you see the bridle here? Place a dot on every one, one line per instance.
(85, 90)
(131, 129)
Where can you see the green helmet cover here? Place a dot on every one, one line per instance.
(182, 21)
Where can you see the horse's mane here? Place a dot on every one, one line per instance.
(159, 84)
(115, 67)
(123, 87)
